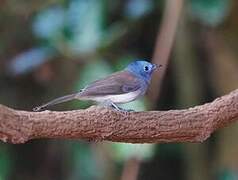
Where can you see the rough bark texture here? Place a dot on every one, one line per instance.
(188, 125)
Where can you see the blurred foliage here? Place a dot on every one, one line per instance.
(83, 161)
(49, 48)
(127, 151)
(137, 8)
(211, 12)
(5, 163)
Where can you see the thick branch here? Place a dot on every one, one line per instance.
(188, 125)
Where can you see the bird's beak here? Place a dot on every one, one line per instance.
(155, 66)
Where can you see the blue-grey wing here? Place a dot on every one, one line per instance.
(117, 83)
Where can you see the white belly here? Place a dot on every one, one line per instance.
(117, 99)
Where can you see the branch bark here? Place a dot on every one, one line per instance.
(96, 123)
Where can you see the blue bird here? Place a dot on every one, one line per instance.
(118, 88)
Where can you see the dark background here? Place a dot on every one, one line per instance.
(50, 48)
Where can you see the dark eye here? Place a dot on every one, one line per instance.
(146, 68)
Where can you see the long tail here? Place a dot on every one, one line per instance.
(56, 101)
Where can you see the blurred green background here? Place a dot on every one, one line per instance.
(50, 48)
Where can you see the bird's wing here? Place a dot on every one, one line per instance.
(118, 83)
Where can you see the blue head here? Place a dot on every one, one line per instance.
(143, 69)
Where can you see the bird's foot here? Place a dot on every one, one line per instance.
(125, 110)
(37, 109)
(114, 106)
(120, 109)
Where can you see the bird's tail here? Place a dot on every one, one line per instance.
(56, 101)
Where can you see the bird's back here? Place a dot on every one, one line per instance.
(119, 83)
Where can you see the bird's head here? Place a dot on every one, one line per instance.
(143, 69)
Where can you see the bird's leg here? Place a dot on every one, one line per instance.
(125, 110)
(115, 107)
(121, 109)
(109, 103)
(105, 104)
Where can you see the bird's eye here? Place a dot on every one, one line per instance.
(146, 68)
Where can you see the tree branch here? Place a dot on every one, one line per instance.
(164, 43)
(188, 125)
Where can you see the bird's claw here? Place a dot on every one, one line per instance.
(125, 110)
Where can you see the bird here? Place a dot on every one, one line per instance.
(118, 88)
